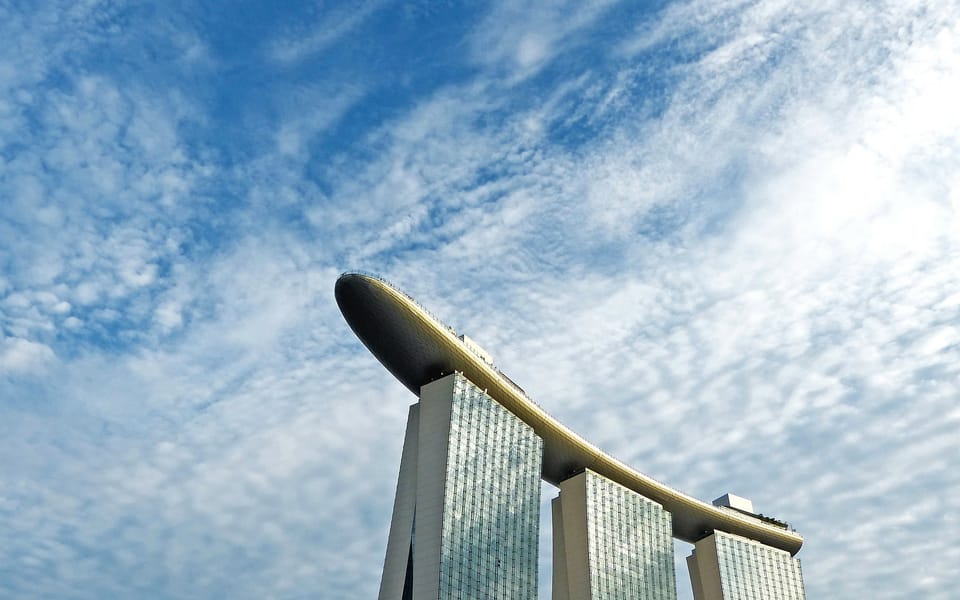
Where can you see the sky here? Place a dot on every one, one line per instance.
(718, 238)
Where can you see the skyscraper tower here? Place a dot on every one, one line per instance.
(467, 508)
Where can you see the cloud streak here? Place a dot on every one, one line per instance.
(718, 239)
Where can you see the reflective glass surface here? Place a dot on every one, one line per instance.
(491, 501)
(752, 571)
(630, 544)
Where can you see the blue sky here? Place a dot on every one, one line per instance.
(718, 238)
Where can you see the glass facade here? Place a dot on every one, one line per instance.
(610, 543)
(750, 570)
(491, 501)
(630, 544)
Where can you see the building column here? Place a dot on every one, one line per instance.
(724, 566)
(467, 509)
(610, 542)
(398, 562)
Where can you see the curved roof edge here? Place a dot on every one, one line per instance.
(417, 348)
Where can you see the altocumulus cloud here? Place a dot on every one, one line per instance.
(720, 239)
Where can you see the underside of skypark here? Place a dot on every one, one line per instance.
(474, 451)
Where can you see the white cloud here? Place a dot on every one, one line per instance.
(169, 315)
(520, 38)
(18, 355)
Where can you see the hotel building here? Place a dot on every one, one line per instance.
(466, 510)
